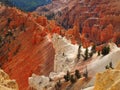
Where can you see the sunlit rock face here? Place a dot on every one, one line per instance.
(38, 82)
(101, 62)
(108, 80)
(66, 54)
(6, 83)
(42, 82)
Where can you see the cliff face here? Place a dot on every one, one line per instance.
(6, 83)
(66, 54)
(25, 45)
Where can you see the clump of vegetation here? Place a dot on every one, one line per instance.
(50, 16)
(67, 76)
(109, 66)
(79, 50)
(9, 33)
(86, 54)
(58, 85)
(93, 49)
(99, 52)
(72, 79)
(105, 50)
(77, 74)
(85, 74)
(106, 67)
(91, 54)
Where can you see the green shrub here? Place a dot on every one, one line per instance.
(79, 50)
(85, 74)
(91, 54)
(67, 76)
(99, 53)
(105, 50)
(93, 49)
(77, 74)
(86, 54)
(73, 79)
(111, 65)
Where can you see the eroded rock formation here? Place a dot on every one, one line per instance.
(6, 83)
(98, 20)
(66, 54)
(96, 65)
(25, 45)
(108, 80)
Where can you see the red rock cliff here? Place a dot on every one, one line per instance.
(26, 46)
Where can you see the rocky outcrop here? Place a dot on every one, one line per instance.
(38, 82)
(108, 80)
(66, 54)
(6, 83)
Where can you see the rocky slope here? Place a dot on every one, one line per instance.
(28, 44)
(94, 65)
(25, 44)
(95, 18)
(6, 83)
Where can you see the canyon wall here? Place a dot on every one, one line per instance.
(25, 46)
(98, 20)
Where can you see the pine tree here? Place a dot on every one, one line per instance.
(106, 67)
(105, 50)
(59, 84)
(79, 50)
(111, 65)
(91, 54)
(77, 74)
(8, 21)
(73, 79)
(67, 76)
(85, 74)
(93, 49)
(99, 53)
(86, 54)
